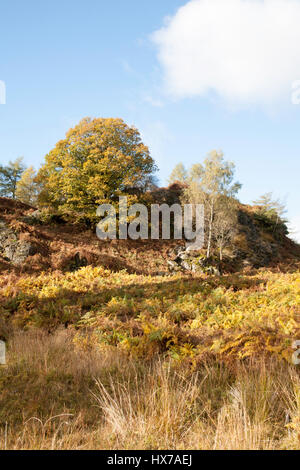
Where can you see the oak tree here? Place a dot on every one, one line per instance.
(99, 160)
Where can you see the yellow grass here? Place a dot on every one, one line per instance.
(54, 396)
(112, 360)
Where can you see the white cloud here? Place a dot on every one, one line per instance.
(294, 228)
(2, 92)
(127, 67)
(245, 51)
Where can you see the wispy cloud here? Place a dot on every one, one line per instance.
(127, 67)
(156, 102)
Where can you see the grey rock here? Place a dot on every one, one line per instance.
(194, 268)
(34, 218)
(178, 249)
(36, 214)
(182, 255)
(2, 352)
(216, 271)
(192, 261)
(172, 265)
(187, 266)
(261, 252)
(11, 248)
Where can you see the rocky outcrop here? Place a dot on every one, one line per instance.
(253, 247)
(260, 252)
(34, 218)
(12, 248)
(192, 261)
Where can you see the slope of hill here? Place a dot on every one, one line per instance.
(32, 242)
(96, 331)
(57, 274)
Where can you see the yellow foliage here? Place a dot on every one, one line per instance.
(97, 161)
(234, 316)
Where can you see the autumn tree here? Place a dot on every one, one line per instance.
(9, 176)
(27, 189)
(225, 223)
(179, 174)
(99, 160)
(210, 184)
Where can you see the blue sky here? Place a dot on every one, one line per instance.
(64, 60)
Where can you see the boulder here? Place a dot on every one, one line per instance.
(34, 218)
(12, 248)
(172, 265)
(192, 261)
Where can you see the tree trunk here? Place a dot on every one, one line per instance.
(14, 187)
(221, 247)
(210, 231)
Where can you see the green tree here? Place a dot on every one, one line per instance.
(98, 160)
(209, 184)
(268, 205)
(9, 176)
(272, 212)
(27, 188)
(178, 174)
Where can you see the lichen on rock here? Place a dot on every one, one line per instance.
(12, 248)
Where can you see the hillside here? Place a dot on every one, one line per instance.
(32, 242)
(129, 294)
(96, 331)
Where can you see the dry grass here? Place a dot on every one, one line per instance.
(53, 396)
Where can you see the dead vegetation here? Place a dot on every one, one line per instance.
(119, 356)
(54, 396)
